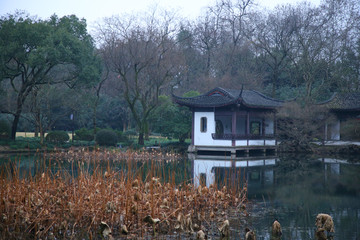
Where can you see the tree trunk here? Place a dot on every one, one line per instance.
(141, 138)
(36, 133)
(15, 124)
(38, 127)
(146, 130)
(42, 135)
(19, 104)
(94, 119)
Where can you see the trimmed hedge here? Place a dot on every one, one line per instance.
(106, 137)
(57, 137)
(84, 134)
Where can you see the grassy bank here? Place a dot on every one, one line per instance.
(25, 141)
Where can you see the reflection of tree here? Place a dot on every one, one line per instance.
(304, 187)
(295, 168)
(307, 179)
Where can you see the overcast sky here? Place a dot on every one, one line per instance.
(94, 10)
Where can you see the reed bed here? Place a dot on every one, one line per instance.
(98, 154)
(105, 203)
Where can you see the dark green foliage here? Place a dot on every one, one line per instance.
(172, 120)
(297, 127)
(36, 53)
(121, 137)
(84, 134)
(5, 129)
(106, 137)
(351, 130)
(25, 143)
(57, 137)
(130, 132)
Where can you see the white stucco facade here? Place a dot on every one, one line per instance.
(203, 137)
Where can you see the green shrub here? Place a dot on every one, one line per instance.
(130, 132)
(57, 137)
(25, 143)
(84, 134)
(122, 137)
(5, 129)
(106, 137)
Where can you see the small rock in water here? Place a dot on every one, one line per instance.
(200, 235)
(225, 228)
(149, 219)
(249, 234)
(276, 229)
(105, 230)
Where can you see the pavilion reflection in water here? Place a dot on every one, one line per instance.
(256, 171)
(259, 173)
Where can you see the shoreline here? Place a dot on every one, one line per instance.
(330, 147)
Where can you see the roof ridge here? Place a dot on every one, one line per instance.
(220, 96)
(328, 100)
(221, 89)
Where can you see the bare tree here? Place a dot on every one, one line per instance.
(308, 56)
(273, 38)
(207, 40)
(341, 34)
(143, 54)
(232, 17)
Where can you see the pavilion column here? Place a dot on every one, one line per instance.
(275, 128)
(247, 123)
(263, 127)
(233, 126)
(193, 128)
(247, 127)
(325, 132)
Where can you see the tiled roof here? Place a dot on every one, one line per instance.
(219, 97)
(344, 101)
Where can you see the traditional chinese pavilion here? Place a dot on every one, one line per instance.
(235, 121)
(344, 106)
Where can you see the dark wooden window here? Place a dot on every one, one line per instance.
(203, 124)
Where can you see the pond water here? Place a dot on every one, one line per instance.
(290, 188)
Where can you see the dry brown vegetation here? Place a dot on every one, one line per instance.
(103, 155)
(106, 203)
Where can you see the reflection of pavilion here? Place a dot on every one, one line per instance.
(333, 166)
(256, 171)
(265, 175)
